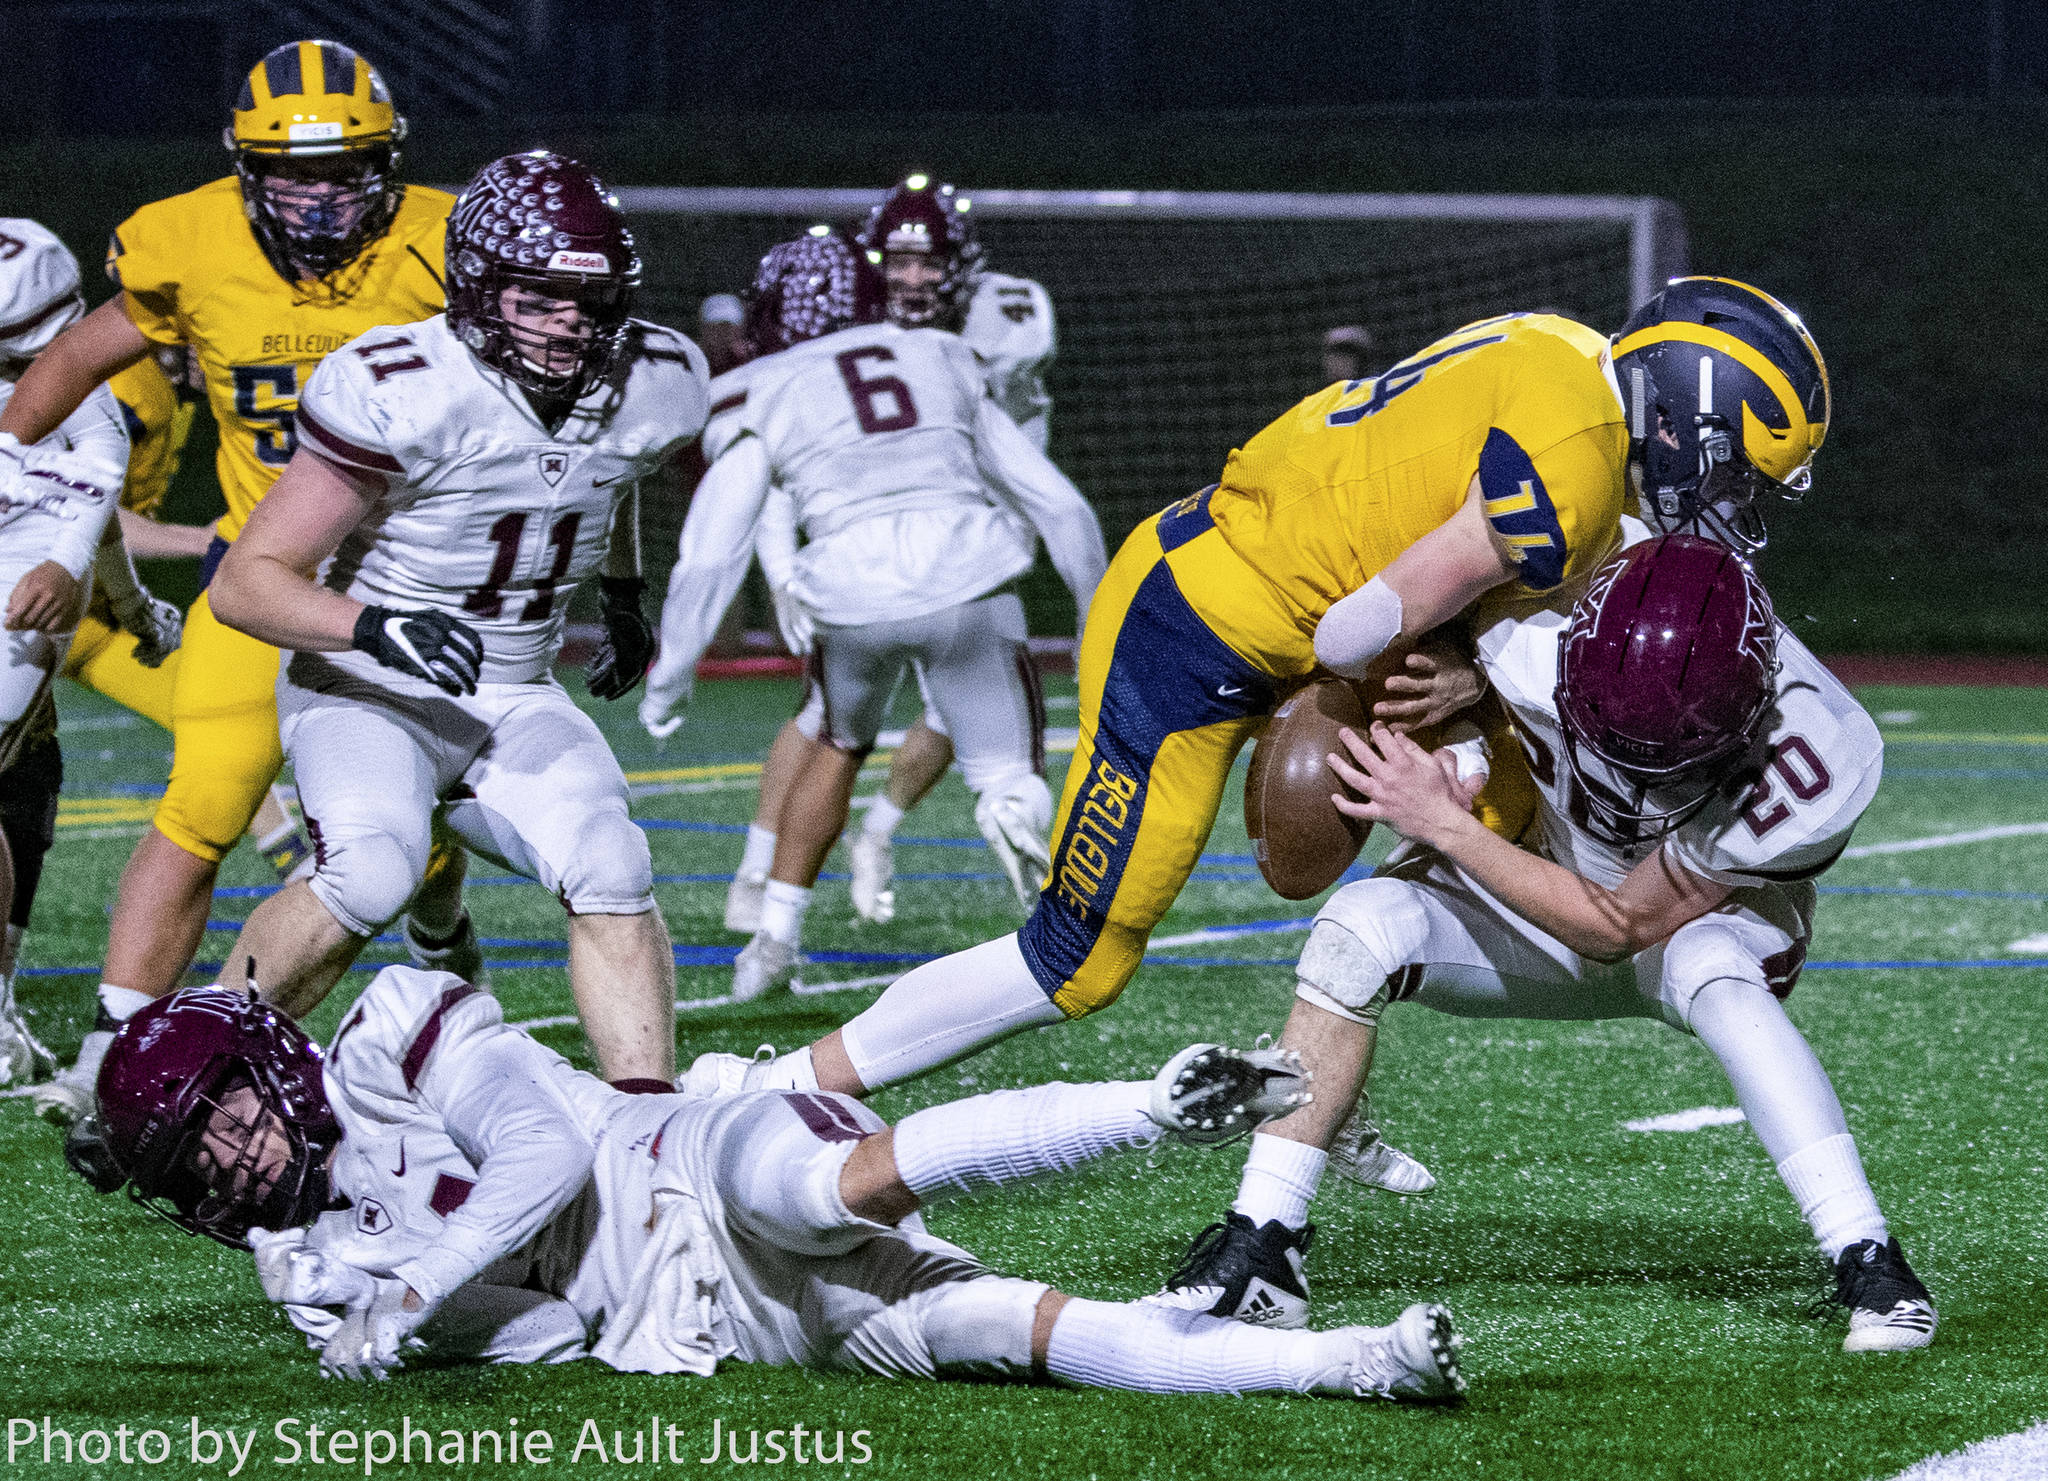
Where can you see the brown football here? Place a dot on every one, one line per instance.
(1301, 841)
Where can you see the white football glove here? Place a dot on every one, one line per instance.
(661, 707)
(794, 620)
(1015, 823)
(293, 1275)
(373, 1332)
(158, 626)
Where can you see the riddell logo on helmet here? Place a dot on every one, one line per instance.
(567, 261)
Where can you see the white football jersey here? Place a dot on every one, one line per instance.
(1010, 328)
(1824, 762)
(487, 514)
(870, 434)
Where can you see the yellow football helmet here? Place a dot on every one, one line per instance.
(315, 138)
(1728, 399)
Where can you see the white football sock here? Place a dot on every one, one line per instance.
(1280, 1177)
(1778, 1082)
(945, 1010)
(760, 852)
(1007, 1136)
(782, 911)
(788, 1072)
(1826, 1180)
(122, 1003)
(1168, 1350)
(883, 816)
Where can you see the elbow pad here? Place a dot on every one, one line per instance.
(1358, 629)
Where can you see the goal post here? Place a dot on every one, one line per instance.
(1188, 320)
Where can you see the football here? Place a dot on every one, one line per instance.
(1301, 841)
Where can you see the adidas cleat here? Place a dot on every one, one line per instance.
(1248, 1274)
(1209, 1093)
(765, 965)
(1889, 1309)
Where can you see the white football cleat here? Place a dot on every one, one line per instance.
(765, 965)
(1209, 1093)
(873, 868)
(23, 1059)
(462, 954)
(1359, 1152)
(1015, 826)
(1416, 1358)
(714, 1075)
(72, 1095)
(743, 899)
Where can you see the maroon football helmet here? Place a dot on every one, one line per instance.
(811, 285)
(924, 216)
(163, 1082)
(1665, 676)
(547, 224)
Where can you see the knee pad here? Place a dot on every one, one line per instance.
(28, 817)
(779, 1172)
(1364, 934)
(982, 1327)
(609, 870)
(365, 879)
(810, 716)
(1707, 951)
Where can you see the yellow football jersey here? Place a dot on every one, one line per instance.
(158, 424)
(192, 273)
(1327, 496)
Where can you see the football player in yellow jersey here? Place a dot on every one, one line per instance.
(158, 398)
(308, 244)
(1490, 468)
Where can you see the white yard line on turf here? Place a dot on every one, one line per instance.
(2001, 1458)
(1227, 933)
(1696, 1119)
(2030, 943)
(688, 1005)
(1944, 840)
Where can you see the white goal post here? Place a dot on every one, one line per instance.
(1188, 320)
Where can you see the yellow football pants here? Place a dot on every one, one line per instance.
(102, 658)
(225, 750)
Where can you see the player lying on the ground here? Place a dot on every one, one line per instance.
(309, 242)
(1493, 464)
(1699, 768)
(920, 502)
(459, 478)
(933, 268)
(56, 531)
(442, 1179)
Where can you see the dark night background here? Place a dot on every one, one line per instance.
(1880, 165)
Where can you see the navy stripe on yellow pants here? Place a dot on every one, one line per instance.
(1165, 705)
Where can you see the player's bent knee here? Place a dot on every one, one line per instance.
(610, 870)
(780, 1173)
(1364, 934)
(366, 879)
(982, 1328)
(1701, 956)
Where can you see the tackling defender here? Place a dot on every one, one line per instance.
(1699, 768)
(458, 479)
(310, 242)
(56, 503)
(503, 1207)
(919, 499)
(922, 235)
(1492, 465)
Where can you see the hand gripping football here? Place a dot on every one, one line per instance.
(1300, 839)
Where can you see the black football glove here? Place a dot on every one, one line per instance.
(627, 650)
(429, 645)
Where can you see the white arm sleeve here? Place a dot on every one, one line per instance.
(1358, 628)
(1026, 481)
(775, 539)
(711, 561)
(499, 1101)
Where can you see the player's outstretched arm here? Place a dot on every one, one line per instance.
(1407, 788)
(101, 344)
(265, 584)
(711, 561)
(1026, 479)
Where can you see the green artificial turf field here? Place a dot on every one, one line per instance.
(1633, 1301)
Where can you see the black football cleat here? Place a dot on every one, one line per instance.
(1889, 1309)
(1251, 1274)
